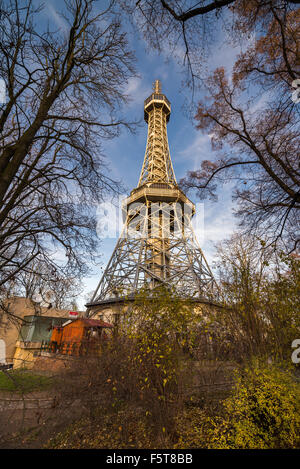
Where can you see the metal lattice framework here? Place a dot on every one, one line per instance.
(157, 166)
(158, 245)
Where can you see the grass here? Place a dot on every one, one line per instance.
(23, 381)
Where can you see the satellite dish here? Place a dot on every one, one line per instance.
(44, 299)
(49, 296)
(37, 298)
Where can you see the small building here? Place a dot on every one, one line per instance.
(78, 337)
(24, 325)
(35, 331)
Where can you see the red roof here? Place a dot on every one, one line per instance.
(95, 322)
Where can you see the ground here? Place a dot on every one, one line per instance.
(47, 414)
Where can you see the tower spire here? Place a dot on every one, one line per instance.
(157, 166)
(157, 86)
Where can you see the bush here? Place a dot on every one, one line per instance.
(124, 428)
(263, 412)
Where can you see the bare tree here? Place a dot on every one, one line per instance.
(260, 289)
(191, 27)
(254, 128)
(251, 117)
(65, 88)
(47, 288)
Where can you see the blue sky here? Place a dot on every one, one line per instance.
(188, 146)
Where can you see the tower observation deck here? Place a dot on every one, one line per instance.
(157, 245)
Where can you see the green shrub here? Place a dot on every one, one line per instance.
(263, 411)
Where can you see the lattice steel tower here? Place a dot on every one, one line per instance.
(157, 245)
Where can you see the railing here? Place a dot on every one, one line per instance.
(160, 97)
(71, 348)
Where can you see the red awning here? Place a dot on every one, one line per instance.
(96, 323)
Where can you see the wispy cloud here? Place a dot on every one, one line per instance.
(219, 222)
(225, 54)
(53, 15)
(137, 89)
(198, 150)
(260, 103)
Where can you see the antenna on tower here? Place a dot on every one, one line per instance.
(157, 86)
